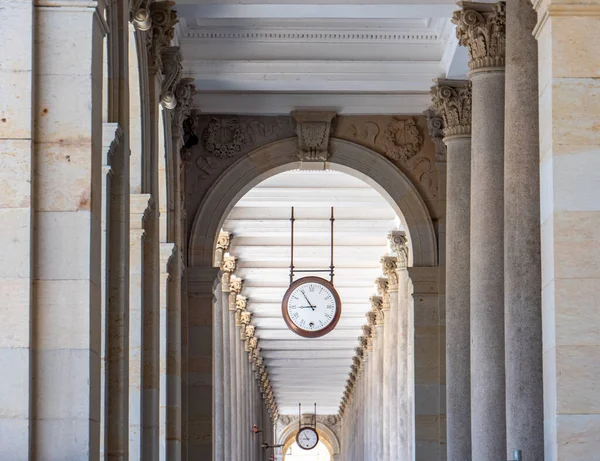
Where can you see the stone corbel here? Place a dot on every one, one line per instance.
(481, 27)
(435, 125)
(313, 129)
(399, 245)
(184, 94)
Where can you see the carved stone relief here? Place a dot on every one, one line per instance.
(402, 140)
(405, 141)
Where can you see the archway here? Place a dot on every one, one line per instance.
(280, 156)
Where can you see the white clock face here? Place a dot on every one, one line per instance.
(307, 438)
(312, 306)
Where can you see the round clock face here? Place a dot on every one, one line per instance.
(311, 307)
(307, 438)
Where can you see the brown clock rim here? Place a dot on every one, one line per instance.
(296, 329)
(312, 429)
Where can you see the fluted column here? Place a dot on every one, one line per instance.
(522, 264)
(452, 101)
(481, 27)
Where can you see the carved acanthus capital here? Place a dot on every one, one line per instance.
(363, 343)
(359, 352)
(452, 101)
(481, 27)
(399, 245)
(228, 265)
(241, 303)
(313, 131)
(371, 319)
(236, 285)
(389, 266)
(163, 29)
(382, 285)
(245, 318)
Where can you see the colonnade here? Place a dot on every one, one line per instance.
(377, 415)
(493, 284)
(243, 401)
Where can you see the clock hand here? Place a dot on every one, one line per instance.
(309, 303)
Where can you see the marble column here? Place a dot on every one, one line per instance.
(235, 321)
(390, 357)
(568, 35)
(235, 287)
(522, 263)
(452, 101)
(481, 27)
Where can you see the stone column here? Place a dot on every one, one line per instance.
(522, 264)
(219, 384)
(140, 209)
(235, 287)
(228, 266)
(377, 306)
(390, 358)
(452, 100)
(166, 268)
(481, 27)
(235, 320)
(203, 390)
(569, 88)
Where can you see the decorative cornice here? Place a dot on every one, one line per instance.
(481, 27)
(313, 130)
(452, 100)
(399, 245)
(388, 267)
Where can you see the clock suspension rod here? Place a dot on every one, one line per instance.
(292, 219)
(331, 267)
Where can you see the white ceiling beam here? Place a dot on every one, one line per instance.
(396, 10)
(284, 103)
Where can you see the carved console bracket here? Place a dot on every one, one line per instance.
(313, 130)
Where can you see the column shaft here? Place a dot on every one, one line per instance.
(218, 416)
(522, 264)
(452, 100)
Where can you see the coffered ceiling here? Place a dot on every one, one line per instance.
(309, 370)
(354, 57)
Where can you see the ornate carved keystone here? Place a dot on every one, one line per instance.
(313, 131)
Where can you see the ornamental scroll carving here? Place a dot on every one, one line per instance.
(481, 27)
(435, 125)
(161, 32)
(452, 100)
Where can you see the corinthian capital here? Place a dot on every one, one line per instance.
(399, 245)
(452, 100)
(389, 265)
(481, 27)
(163, 30)
(235, 285)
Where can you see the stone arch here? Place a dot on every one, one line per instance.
(280, 156)
(288, 436)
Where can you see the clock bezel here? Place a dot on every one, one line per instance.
(310, 333)
(307, 428)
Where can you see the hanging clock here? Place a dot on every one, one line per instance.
(311, 307)
(307, 438)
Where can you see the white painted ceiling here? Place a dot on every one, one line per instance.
(309, 370)
(268, 57)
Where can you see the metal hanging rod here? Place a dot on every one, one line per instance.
(293, 269)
